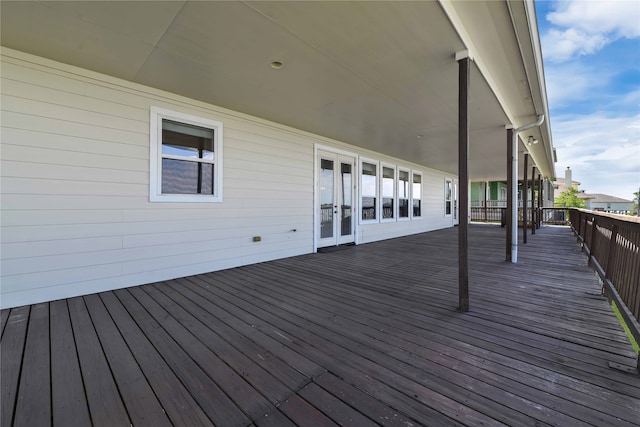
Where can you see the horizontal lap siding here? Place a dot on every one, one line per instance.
(76, 216)
(75, 187)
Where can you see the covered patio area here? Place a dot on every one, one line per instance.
(367, 335)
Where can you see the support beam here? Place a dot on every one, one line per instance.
(514, 188)
(534, 209)
(525, 190)
(463, 179)
(486, 198)
(540, 200)
(508, 215)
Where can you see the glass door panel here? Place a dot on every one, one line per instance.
(346, 201)
(336, 224)
(327, 201)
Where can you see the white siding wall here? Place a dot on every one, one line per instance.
(76, 216)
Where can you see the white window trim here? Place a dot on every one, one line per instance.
(155, 158)
(421, 216)
(395, 191)
(362, 160)
(446, 180)
(407, 218)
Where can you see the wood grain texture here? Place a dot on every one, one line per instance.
(370, 335)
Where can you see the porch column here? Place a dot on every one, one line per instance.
(463, 178)
(525, 189)
(510, 184)
(534, 208)
(540, 200)
(486, 198)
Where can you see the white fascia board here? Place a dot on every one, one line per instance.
(524, 20)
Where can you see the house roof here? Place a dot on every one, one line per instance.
(379, 75)
(603, 198)
(560, 181)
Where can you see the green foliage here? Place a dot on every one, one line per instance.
(634, 209)
(634, 344)
(569, 199)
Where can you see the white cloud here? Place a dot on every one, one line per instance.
(603, 152)
(561, 46)
(588, 26)
(620, 18)
(570, 83)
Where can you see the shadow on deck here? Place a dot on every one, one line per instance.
(365, 336)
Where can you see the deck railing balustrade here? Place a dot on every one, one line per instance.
(612, 243)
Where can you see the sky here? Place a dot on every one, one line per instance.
(591, 54)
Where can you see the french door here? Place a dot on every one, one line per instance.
(335, 202)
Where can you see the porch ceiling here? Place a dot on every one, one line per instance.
(372, 74)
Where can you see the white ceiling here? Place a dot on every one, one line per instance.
(372, 74)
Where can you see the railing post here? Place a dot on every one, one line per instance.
(612, 250)
(592, 243)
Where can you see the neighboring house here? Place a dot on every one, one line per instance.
(143, 141)
(494, 194)
(595, 202)
(606, 203)
(561, 183)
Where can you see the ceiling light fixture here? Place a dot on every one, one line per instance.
(276, 65)
(418, 136)
(531, 140)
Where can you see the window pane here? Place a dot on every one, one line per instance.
(403, 184)
(417, 207)
(417, 195)
(347, 185)
(417, 187)
(368, 208)
(368, 169)
(186, 177)
(388, 177)
(369, 190)
(403, 208)
(180, 139)
(387, 207)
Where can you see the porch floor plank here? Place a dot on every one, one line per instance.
(68, 398)
(369, 335)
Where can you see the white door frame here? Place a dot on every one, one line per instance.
(316, 192)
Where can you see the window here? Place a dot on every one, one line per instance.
(447, 196)
(416, 192)
(388, 192)
(186, 158)
(369, 191)
(403, 194)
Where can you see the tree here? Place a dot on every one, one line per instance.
(569, 199)
(636, 202)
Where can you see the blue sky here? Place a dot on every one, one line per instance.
(591, 51)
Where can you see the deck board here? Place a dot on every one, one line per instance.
(32, 406)
(68, 398)
(11, 353)
(369, 335)
(103, 398)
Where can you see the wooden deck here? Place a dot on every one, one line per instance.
(363, 336)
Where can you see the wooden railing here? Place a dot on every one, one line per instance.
(612, 243)
(539, 216)
(555, 216)
(487, 214)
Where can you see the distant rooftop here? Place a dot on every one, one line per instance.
(602, 198)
